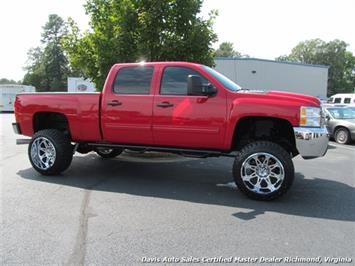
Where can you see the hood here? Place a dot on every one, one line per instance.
(282, 95)
(297, 96)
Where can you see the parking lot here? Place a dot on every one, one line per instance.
(135, 208)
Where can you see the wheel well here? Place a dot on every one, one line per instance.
(51, 120)
(249, 129)
(338, 127)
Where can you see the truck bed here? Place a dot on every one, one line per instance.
(80, 109)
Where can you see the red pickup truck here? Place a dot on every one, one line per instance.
(178, 107)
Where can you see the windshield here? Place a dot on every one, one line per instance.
(230, 85)
(342, 113)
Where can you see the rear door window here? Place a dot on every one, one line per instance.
(133, 80)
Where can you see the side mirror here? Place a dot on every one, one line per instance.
(209, 90)
(195, 87)
(327, 117)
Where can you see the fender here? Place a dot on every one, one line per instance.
(261, 105)
(82, 116)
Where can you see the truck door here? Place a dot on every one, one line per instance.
(181, 120)
(126, 115)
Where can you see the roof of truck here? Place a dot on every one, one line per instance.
(166, 63)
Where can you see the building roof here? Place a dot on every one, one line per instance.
(270, 61)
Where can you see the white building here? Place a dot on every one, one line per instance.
(8, 95)
(80, 85)
(261, 74)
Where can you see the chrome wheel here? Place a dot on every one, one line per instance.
(262, 173)
(43, 153)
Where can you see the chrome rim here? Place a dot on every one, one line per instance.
(43, 153)
(104, 150)
(341, 136)
(262, 173)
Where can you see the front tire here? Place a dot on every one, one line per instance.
(263, 170)
(342, 136)
(50, 152)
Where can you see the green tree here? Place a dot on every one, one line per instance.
(282, 58)
(36, 75)
(8, 81)
(48, 67)
(226, 49)
(135, 30)
(341, 75)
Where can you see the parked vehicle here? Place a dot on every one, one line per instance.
(326, 105)
(323, 100)
(342, 98)
(179, 107)
(341, 123)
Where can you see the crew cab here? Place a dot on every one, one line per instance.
(180, 107)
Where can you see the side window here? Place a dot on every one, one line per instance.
(337, 100)
(174, 81)
(133, 80)
(347, 100)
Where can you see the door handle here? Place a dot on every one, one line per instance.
(114, 103)
(165, 105)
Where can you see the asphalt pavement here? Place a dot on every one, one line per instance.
(135, 209)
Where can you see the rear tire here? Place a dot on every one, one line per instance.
(263, 170)
(342, 136)
(108, 153)
(50, 152)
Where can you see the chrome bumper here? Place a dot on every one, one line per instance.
(311, 142)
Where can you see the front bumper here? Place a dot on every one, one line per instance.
(311, 142)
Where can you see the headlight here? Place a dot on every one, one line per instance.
(310, 116)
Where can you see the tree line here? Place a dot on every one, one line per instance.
(341, 62)
(154, 30)
(9, 81)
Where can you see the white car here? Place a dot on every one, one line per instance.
(342, 98)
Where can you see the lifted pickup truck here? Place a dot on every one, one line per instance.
(178, 107)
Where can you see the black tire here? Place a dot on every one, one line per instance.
(63, 151)
(277, 156)
(342, 136)
(108, 153)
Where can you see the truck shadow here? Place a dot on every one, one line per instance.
(196, 181)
